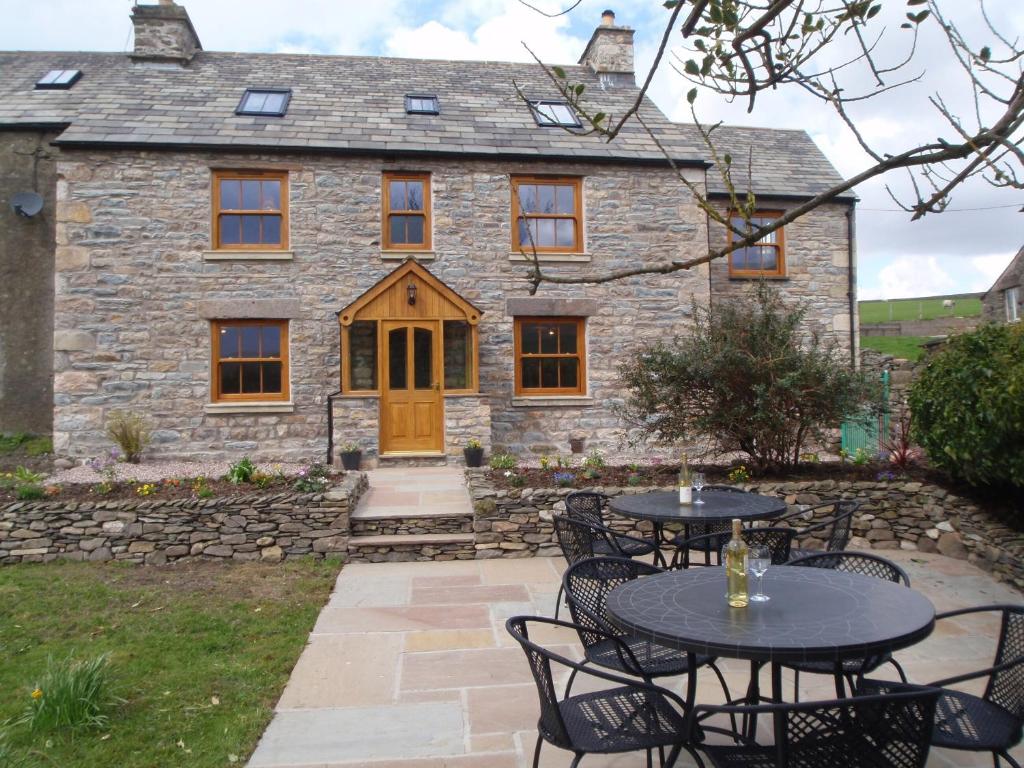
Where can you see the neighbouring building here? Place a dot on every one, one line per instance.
(247, 247)
(1004, 301)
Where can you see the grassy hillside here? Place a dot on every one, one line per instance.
(907, 347)
(967, 305)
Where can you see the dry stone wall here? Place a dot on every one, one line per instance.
(893, 515)
(269, 528)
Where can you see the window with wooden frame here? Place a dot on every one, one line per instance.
(1012, 298)
(550, 356)
(547, 214)
(766, 257)
(250, 210)
(250, 360)
(406, 217)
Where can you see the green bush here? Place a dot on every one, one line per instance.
(241, 471)
(749, 377)
(71, 696)
(130, 432)
(968, 407)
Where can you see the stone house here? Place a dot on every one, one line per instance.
(1004, 301)
(264, 252)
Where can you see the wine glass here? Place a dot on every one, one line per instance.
(759, 558)
(698, 483)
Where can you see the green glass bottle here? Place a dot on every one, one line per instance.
(736, 568)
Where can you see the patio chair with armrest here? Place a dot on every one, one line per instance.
(993, 721)
(865, 564)
(835, 529)
(589, 507)
(883, 731)
(778, 540)
(629, 717)
(587, 584)
(579, 540)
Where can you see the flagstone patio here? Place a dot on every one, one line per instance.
(410, 666)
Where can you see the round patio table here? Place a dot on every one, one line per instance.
(814, 614)
(661, 507)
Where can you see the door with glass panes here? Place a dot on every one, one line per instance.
(412, 419)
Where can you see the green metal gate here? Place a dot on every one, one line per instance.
(866, 433)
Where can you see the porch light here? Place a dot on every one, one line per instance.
(410, 290)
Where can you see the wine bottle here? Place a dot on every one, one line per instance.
(685, 482)
(736, 568)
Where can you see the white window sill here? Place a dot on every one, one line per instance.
(219, 409)
(398, 255)
(554, 401)
(248, 255)
(550, 258)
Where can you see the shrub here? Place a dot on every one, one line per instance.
(503, 461)
(594, 460)
(968, 407)
(29, 492)
(241, 471)
(312, 479)
(739, 475)
(201, 488)
(749, 377)
(71, 696)
(130, 432)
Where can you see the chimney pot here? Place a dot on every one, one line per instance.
(608, 19)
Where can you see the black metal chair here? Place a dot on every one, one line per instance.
(579, 540)
(865, 564)
(885, 731)
(589, 507)
(993, 721)
(587, 584)
(835, 529)
(629, 717)
(695, 530)
(778, 540)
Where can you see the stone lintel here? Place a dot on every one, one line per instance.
(526, 306)
(249, 309)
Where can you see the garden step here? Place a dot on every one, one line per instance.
(407, 522)
(421, 546)
(410, 539)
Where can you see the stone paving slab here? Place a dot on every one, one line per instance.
(410, 666)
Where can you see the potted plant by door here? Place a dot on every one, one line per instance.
(351, 455)
(474, 453)
(576, 443)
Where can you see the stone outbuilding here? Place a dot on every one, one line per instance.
(246, 248)
(1004, 301)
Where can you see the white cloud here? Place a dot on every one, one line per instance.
(908, 277)
(990, 268)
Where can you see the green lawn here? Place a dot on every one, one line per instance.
(199, 651)
(913, 309)
(908, 347)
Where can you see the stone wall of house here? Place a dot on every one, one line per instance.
(137, 285)
(27, 164)
(993, 301)
(466, 417)
(817, 267)
(269, 528)
(893, 515)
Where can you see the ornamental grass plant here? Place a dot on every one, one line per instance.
(72, 696)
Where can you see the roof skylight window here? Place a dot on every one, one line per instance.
(556, 113)
(271, 102)
(419, 104)
(58, 79)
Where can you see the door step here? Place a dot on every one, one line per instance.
(406, 547)
(412, 460)
(423, 522)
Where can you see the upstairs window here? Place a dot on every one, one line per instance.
(250, 360)
(271, 102)
(250, 210)
(766, 257)
(58, 79)
(406, 217)
(1012, 305)
(554, 113)
(547, 214)
(418, 104)
(550, 355)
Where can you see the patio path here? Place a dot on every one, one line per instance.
(409, 666)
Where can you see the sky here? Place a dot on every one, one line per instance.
(961, 250)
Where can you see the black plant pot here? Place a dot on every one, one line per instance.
(351, 459)
(576, 444)
(474, 456)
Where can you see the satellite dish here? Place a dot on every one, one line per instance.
(27, 204)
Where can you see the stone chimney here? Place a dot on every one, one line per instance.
(164, 33)
(610, 52)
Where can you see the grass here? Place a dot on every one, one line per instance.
(908, 347)
(31, 445)
(198, 652)
(914, 309)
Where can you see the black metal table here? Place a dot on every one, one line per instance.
(661, 507)
(814, 615)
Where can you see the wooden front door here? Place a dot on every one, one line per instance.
(411, 418)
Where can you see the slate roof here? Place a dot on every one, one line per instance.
(356, 104)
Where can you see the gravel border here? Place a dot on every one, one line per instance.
(162, 470)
